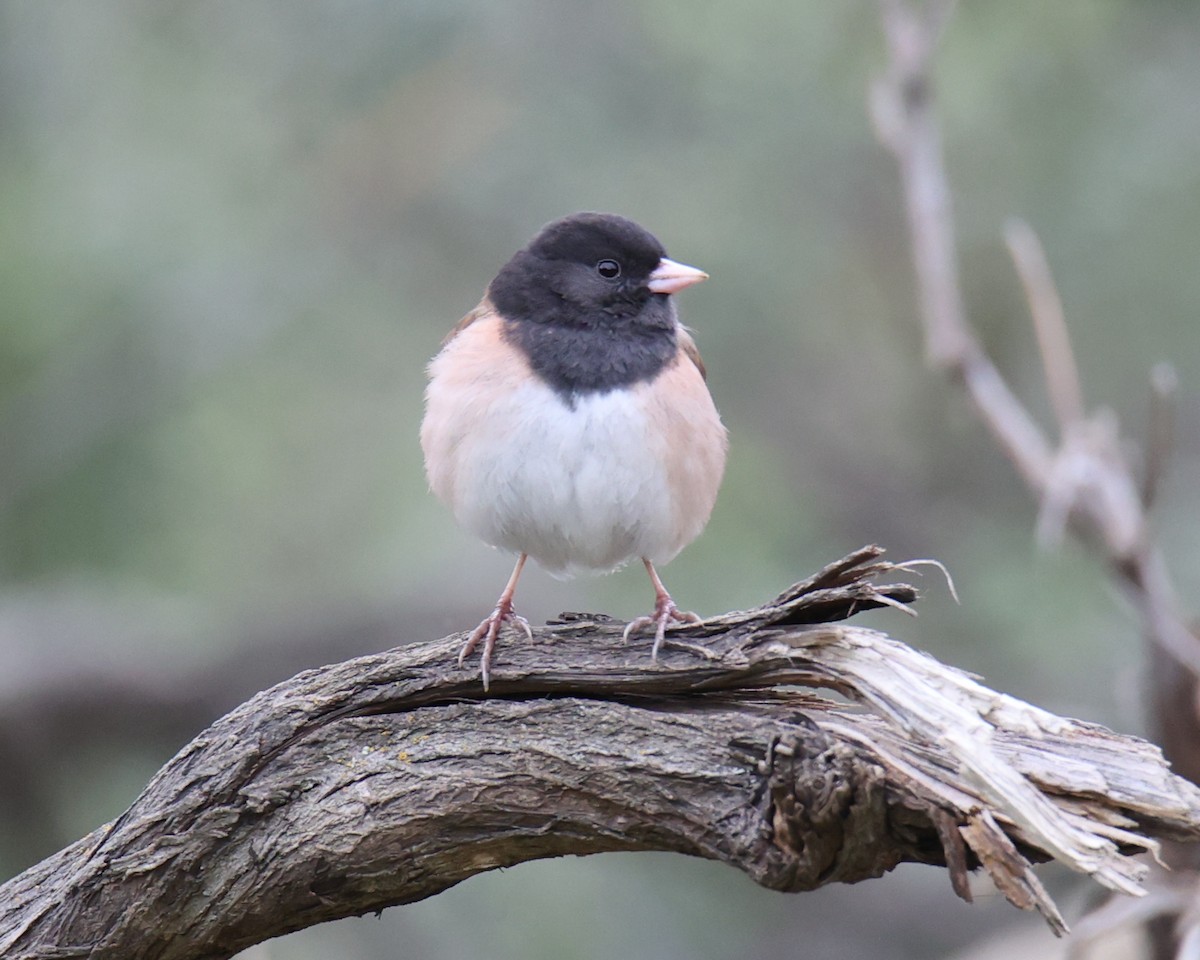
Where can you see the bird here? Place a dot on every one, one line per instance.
(568, 419)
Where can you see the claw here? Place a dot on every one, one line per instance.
(488, 631)
(490, 628)
(665, 612)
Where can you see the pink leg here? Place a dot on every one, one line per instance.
(664, 612)
(490, 628)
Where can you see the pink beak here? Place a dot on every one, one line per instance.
(671, 277)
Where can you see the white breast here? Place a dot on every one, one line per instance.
(577, 488)
(585, 487)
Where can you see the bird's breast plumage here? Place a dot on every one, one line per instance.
(580, 481)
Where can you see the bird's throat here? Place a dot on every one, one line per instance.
(577, 360)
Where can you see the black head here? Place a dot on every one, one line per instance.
(581, 270)
(579, 302)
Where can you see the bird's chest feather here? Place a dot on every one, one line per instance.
(581, 483)
(577, 485)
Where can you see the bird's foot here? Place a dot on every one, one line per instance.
(665, 612)
(487, 631)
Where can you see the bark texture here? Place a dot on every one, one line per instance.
(388, 778)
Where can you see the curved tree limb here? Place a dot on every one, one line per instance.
(386, 779)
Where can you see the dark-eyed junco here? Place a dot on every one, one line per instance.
(567, 418)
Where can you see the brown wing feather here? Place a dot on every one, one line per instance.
(688, 346)
(483, 309)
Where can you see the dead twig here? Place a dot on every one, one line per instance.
(1087, 482)
(1049, 322)
(1160, 430)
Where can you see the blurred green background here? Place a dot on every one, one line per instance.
(232, 234)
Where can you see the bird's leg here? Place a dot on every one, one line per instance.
(664, 612)
(490, 628)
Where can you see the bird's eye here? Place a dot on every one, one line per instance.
(608, 269)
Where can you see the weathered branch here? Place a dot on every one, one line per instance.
(385, 779)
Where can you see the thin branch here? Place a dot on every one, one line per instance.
(901, 103)
(905, 121)
(1049, 322)
(1088, 481)
(1160, 431)
(386, 779)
